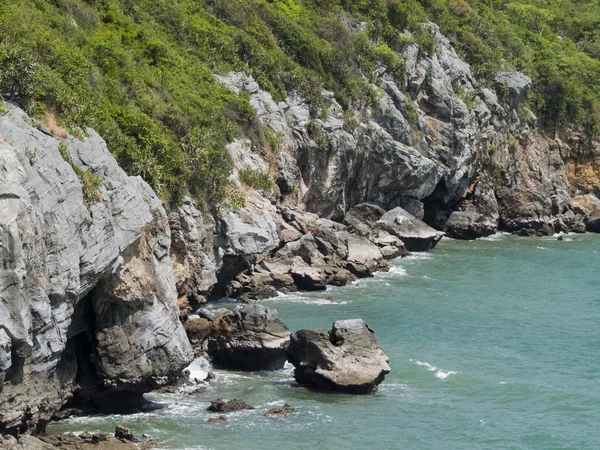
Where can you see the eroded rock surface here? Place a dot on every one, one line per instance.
(345, 359)
(250, 338)
(87, 292)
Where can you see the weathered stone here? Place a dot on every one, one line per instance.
(513, 86)
(362, 218)
(284, 411)
(123, 433)
(593, 224)
(416, 235)
(469, 225)
(221, 406)
(309, 278)
(59, 252)
(345, 359)
(251, 338)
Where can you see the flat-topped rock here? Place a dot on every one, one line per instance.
(345, 359)
(416, 234)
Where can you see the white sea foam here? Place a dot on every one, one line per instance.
(419, 256)
(440, 374)
(494, 237)
(397, 270)
(299, 298)
(199, 369)
(443, 375)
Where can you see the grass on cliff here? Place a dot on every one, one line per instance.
(141, 71)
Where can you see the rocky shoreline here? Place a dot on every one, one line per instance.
(97, 283)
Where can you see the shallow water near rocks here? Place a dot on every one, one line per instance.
(493, 344)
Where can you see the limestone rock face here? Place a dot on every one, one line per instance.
(251, 338)
(75, 308)
(192, 251)
(345, 359)
(450, 145)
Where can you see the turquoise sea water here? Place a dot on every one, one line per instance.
(493, 344)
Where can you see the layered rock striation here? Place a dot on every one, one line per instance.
(87, 292)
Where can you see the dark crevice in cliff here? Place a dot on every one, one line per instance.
(437, 209)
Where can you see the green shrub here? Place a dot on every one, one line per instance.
(255, 179)
(317, 135)
(90, 183)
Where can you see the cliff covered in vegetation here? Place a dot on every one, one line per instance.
(168, 145)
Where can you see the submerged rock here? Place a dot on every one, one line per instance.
(284, 411)
(251, 338)
(222, 406)
(345, 359)
(220, 419)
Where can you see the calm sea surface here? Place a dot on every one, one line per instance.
(493, 344)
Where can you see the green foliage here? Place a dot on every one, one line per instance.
(236, 199)
(18, 71)
(255, 179)
(275, 140)
(351, 122)
(317, 135)
(141, 72)
(469, 98)
(209, 166)
(90, 183)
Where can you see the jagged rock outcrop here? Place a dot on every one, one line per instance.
(345, 359)
(467, 159)
(250, 338)
(87, 292)
(192, 251)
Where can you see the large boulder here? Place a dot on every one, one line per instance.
(470, 225)
(345, 359)
(250, 338)
(416, 234)
(362, 219)
(593, 224)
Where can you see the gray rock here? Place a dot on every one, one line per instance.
(309, 278)
(345, 359)
(192, 251)
(363, 218)
(593, 224)
(222, 406)
(469, 225)
(289, 177)
(416, 235)
(58, 252)
(513, 86)
(204, 313)
(251, 338)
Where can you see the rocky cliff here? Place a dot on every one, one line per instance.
(93, 265)
(88, 306)
(467, 158)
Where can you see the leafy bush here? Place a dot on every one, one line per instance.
(255, 179)
(90, 183)
(141, 72)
